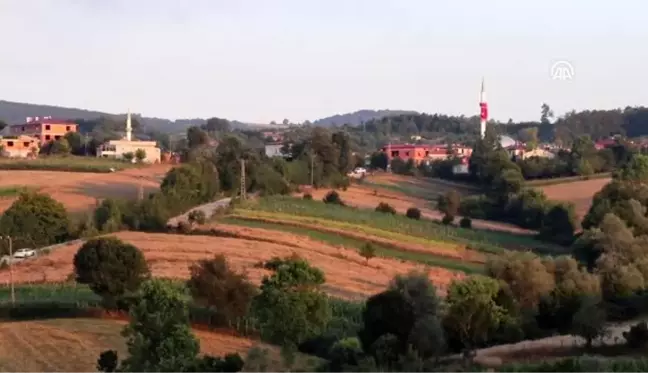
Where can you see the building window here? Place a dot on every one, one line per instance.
(48, 127)
(57, 137)
(67, 128)
(9, 143)
(407, 154)
(26, 144)
(22, 128)
(47, 137)
(395, 153)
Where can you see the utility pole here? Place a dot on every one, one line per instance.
(140, 189)
(243, 188)
(11, 281)
(312, 159)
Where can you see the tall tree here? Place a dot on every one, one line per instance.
(159, 337)
(217, 125)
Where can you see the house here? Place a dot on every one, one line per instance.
(45, 129)
(462, 168)
(418, 153)
(519, 151)
(19, 146)
(605, 143)
(273, 150)
(119, 148)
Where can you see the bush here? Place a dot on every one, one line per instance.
(308, 197)
(110, 267)
(447, 219)
(214, 284)
(465, 222)
(367, 251)
(637, 336)
(385, 208)
(333, 198)
(197, 217)
(413, 213)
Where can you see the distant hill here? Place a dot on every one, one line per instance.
(16, 112)
(358, 117)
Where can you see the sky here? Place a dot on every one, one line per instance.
(263, 60)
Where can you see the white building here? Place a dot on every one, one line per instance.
(273, 150)
(117, 148)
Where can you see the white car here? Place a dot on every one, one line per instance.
(24, 253)
(360, 171)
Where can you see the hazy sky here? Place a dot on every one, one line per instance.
(266, 60)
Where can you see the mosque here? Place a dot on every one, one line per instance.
(117, 148)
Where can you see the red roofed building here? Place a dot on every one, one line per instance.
(45, 129)
(423, 153)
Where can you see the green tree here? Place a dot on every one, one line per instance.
(291, 306)
(76, 143)
(636, 170)
(35, 220)
(110, 267)
(217, 125)
(559, 224)
(449, 203)
(158, 337)
(197, 217)
(379, 160)
(589, 321)
(406, 314)
(3, 124)
(140, 155)
(128, 157)
(525, 275)
(546, 114)
(473, 314)
(367, 251)
(59, 147)
(530, 137)
(196, 137)
(214, 284)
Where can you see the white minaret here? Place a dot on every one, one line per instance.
(483, 114)
(129, 128)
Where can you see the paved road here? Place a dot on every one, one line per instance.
(208, 208)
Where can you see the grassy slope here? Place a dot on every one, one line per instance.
(12, 191)
(395, 226)
(68, 163)
(381, 250)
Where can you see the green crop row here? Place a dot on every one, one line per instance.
(483, 240)
(350, 242)
(67, 163)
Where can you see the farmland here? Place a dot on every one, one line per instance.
(73, 345)
(79, 191)
(396, 227)
(348, 275)
(67, 163)
(580, 193)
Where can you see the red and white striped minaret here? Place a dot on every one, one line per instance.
(483, 115)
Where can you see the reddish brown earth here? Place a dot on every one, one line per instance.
(580, 193)
(347, 274)
(79, 191)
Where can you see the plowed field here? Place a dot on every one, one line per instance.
(79, 191)
(347, 274)
(580, 193)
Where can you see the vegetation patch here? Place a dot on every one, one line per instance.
(67, 163)
(12, 191)
(569, 179)
(397, 227)
(381, 250)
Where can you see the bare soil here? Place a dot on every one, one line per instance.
(347, 274)
(580, 193)
(79, 191)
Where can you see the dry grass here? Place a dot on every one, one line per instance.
(580, 193)
(73, 345)
(79, 191)
(170, 256)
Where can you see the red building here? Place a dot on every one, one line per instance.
(45, 129)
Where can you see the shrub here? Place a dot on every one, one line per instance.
(214, 284)
(308, 197)
(333, 198)
(110, 267)
(385, 208)
(447, 219)
(108, 361)
(465, 222)
(637, 336)
(197, 217)
(413, 213)
(367, 251)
